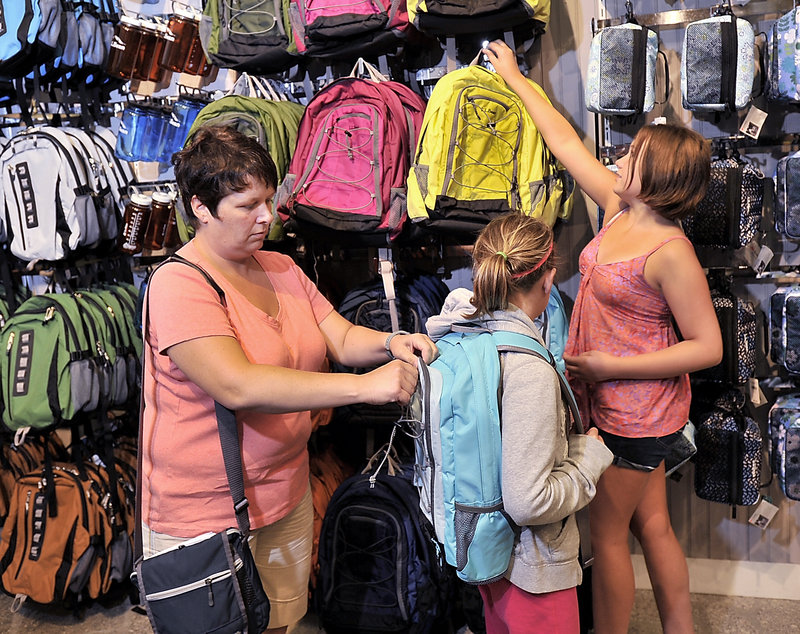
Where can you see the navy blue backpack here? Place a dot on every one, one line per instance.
(381, 569)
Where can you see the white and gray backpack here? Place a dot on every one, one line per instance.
(47, 199)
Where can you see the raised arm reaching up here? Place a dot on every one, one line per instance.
(590, 175)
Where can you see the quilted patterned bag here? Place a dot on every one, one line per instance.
(718, 65)
(784, 432)
(787, 195)
(622, 70)
(739, 324)
(783, 69)
(784, 328)
(728, 458)
(730, 214)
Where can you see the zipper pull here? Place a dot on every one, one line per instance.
(210, 593)
(10, 343)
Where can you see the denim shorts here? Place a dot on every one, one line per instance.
(641, 454)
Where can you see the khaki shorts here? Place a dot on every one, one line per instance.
(282, 552)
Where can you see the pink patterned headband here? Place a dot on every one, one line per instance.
(516, 276)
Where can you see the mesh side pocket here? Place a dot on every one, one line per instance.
(465, 524)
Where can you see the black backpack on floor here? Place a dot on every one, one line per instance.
(380, 567)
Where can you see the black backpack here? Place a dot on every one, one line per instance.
(381, 569)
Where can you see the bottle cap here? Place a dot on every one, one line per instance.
(142, 200)
(162, 197)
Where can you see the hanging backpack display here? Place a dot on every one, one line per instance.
(783, 67)
(729, 216)
(479, 156)
(728, 458)
(787, 196)
(349, 169)
(30, 33)
(717, 64)
(54, 366)
(622, 70)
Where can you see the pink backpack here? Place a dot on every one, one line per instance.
(325, 28)
(354, 149)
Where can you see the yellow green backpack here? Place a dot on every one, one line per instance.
(479, 155)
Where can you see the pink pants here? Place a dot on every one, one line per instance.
(511, 610)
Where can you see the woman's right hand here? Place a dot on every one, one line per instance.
(393, 382)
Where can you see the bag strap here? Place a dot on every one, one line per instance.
(517, 342)
(226, 425)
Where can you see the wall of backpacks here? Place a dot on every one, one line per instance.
(366, 120)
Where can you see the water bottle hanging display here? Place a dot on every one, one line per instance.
(124, 48)
(137, 215)
(160, 210)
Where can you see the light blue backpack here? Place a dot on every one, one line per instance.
(458, 447)
(717, 64)
(783, 68)
(553, 323)
(30, 31)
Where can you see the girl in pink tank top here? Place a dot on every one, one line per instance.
(626, 364)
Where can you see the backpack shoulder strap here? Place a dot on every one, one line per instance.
(517, 342)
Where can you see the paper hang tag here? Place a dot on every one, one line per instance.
(753, 122)
(757, 256)
(757, 397)
(763, 514)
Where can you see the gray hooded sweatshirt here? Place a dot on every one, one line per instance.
(548, 473)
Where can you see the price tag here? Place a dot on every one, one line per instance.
(763, 514)
(753, 122)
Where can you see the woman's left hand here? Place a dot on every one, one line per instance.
(591, 367)
(408, 347)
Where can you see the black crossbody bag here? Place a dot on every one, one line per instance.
(208, 583)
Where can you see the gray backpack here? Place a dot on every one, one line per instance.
(253, 36)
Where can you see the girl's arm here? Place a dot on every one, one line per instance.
(676, 271)
(562, 140)
(540, 484)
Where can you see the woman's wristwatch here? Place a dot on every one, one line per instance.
(388, 343)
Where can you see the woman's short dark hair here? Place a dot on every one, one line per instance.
(675, 166)
(218, 161)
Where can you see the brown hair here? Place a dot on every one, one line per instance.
(675, 167)
(218, 161)
(510, 255)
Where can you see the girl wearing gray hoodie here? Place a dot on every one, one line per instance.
(548, 473)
